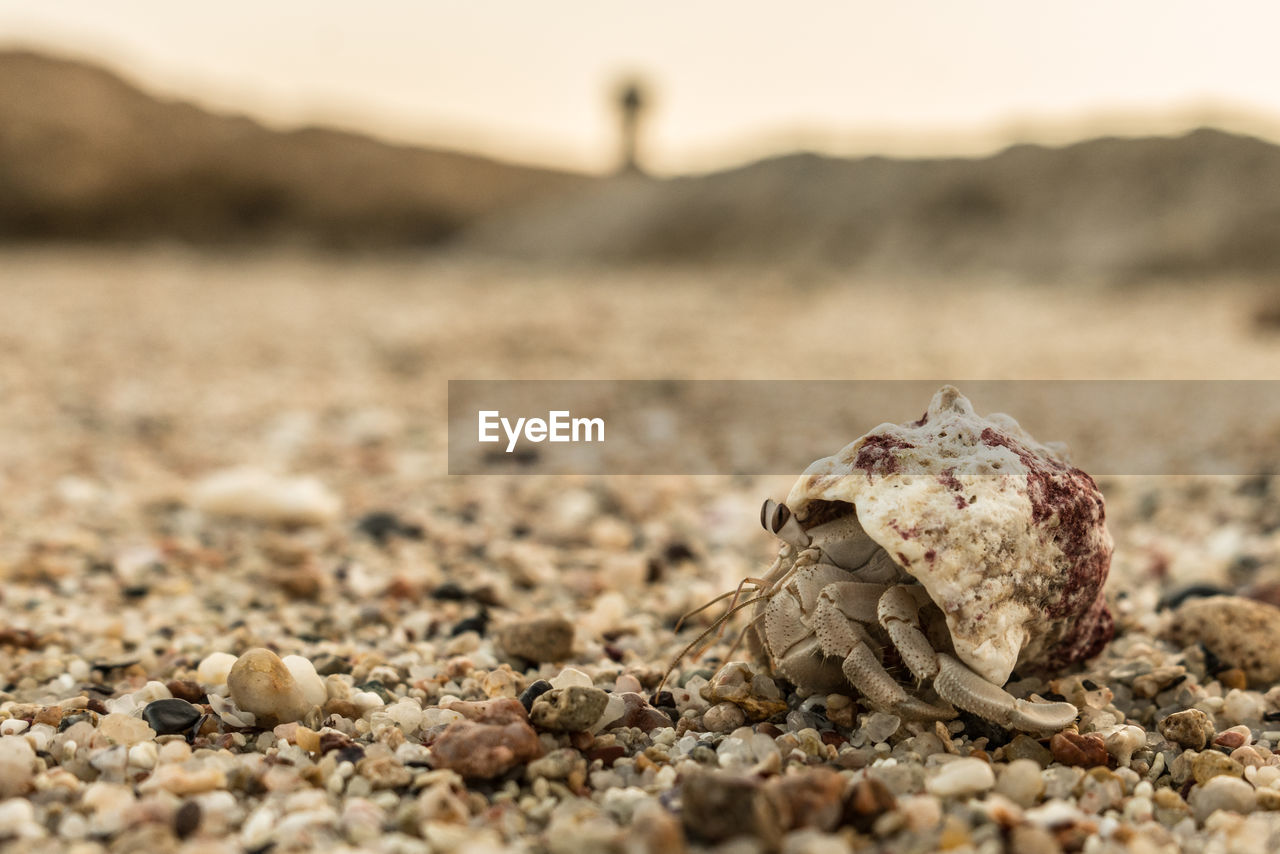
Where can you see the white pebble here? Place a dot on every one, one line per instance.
(214, 669)
(962, 777)
(13, 726)
(1222, 793)
(304, 673)
(1243, 706)
(570, 677)
(366, 700)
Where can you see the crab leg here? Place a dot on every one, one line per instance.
(840, 636)
(898, 612)
(960, 686)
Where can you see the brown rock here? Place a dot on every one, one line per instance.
(1240, 632)
(540, 640)
(384, 772)
(185, 689)
(483, 751)
(718, 806)
(501, 710)
(640, 714)
(813, 798)
(867, 801)
(1086, 751)
(51, 715)
(1190, 728)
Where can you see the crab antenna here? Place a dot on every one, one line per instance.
(704, 606)
(778, 520)
(700, 638)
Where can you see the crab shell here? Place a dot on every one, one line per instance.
(1007, 538)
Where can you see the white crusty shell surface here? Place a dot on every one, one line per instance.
(1005, 535)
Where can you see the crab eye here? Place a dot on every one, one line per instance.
(774, 515)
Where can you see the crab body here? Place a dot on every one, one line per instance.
(955, 548)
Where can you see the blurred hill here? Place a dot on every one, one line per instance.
(1120, 209)
(83, 154)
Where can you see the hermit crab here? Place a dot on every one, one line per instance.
(948, 551)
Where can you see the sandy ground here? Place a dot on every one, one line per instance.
(127, 376)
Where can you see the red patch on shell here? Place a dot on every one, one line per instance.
(875, 455)
(1059, 491)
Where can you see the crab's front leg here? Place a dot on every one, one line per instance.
(837, 621)
(955, 682)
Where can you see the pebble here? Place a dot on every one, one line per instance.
(1212, 764)
(1222, 793)
(1085, 751)
(1025, 747)
(880, 725)
(639, 714)
(125, 729)
(756, 694)
(17, 766)
(1190, 728)
(1239, 632)
(215, 668)
(723, 717)
(716, 806)
(540, 640)
(1122, 743)
(570, 709)
(170, 716)
(259, 494)
(262, 684)
(960, 778)
(533, 692)
(1020, 782)
(494, 738)
(1236, 736)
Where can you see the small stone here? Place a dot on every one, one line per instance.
(1222, 793)
(261, 683)
(1021, 783)
(186, 820)
(1084, 751)
(1191, 729)
(1025, 747)
(49, 715)
(1032, 839)
(960, 778)
(265, 496)
(1242, 706)
(170, 716)
(723, 717)
(1268, 799)
(1236, 736)
(1233, 677)
(1122, 743)
(1239, 632)
(867, 801)
(309, 681)
(639, 714)
(17, 766)
(756, 695)
(533, 692)
(493, 738)
(1212, 764)
(568, 709)
(540, 640)
(812, 799)
(214, 669)
(717, 806)
(185, 689)
(880, 725)
(384, 772)
(125, 729)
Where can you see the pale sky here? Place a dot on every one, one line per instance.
(733, 79)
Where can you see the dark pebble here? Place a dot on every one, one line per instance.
(72, 720)
(478, 624)
(170, 716)
(381, 525)
(186, 820)
(334, 741)
(352, 754)
(533, 692)
(976, 727)
(1191, 591)
(449, 592)
(327, 664)
(607, 755)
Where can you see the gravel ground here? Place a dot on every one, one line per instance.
(245, 610)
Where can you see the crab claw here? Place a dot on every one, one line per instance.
(778, 520)
(960, 686)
